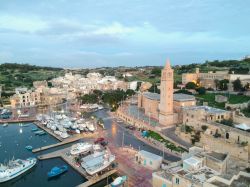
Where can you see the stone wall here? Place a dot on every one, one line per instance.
(236, 106)
(219, 145)
(240, 119)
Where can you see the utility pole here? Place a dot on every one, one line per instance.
(149, 118)
(138, 114)
(163, 152)
(123, 139)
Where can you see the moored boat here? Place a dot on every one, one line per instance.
(55, 171)
(29, 147)
(80, 148)
(5, 124)
(15, 168)
(34, 129)
(98, 164)
(119, 181)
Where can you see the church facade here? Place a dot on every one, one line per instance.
(165, 106)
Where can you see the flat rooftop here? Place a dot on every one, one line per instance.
(242, 181)
(150, 155)
(183, 97)
(207, 109)
(218, 156)
(177, 96)
(152, 96)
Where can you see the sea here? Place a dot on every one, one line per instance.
(13, 140)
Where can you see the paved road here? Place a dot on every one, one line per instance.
(170, 133)
(116, 132)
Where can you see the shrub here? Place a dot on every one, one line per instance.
(204, 127)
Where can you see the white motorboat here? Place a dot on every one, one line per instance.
(78, 131)
(98, 164)
(64, 135)
(58, 133)
(5, 124)
(15, 168)
(91, 127)
(91, 157)
(80, 148)
(74, 126)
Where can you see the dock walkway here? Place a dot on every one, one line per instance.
(48, 131)
(94, 180)
(70, 160)
(67, 141)
(17, 120)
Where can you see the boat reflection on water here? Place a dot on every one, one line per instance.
(20, 130)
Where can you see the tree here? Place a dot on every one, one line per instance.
(216, 82)
(130, 92)
(156, 72)
(247, 86)
(201, 90)
(237, 85)
(154, 89)
(223, 84)
(184, 91)
(190, 85)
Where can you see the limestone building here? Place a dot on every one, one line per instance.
(207, 80)
(166, 106)
(200, 168)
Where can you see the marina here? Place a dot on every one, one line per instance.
(60, 149)
(14, 139)
(63, 154)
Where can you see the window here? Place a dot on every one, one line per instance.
(177, 181)
(227, 135)
(164, 185)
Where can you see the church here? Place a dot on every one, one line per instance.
(165, 107)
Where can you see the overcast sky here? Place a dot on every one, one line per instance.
(93, 33)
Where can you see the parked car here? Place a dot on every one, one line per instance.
(99, 140)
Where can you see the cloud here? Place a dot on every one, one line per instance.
(21, 24)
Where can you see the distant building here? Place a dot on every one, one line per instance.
(207, 80)
(38, 84)
(25, 99)
(149, 160)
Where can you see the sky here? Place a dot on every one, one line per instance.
(96, 33)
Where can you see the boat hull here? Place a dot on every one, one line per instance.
(8, 178)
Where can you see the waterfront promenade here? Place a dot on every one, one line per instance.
(17, 120)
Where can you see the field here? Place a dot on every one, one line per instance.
(233, 99)
(11, 77)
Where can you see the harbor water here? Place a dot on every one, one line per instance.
(13, 140)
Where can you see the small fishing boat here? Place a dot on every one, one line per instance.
(40, 132)
(29, 147)
(119, 181)
(55, 171)
(24, 125)
(34, 129)
(5, 124)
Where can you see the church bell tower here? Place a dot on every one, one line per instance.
(166, 110)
